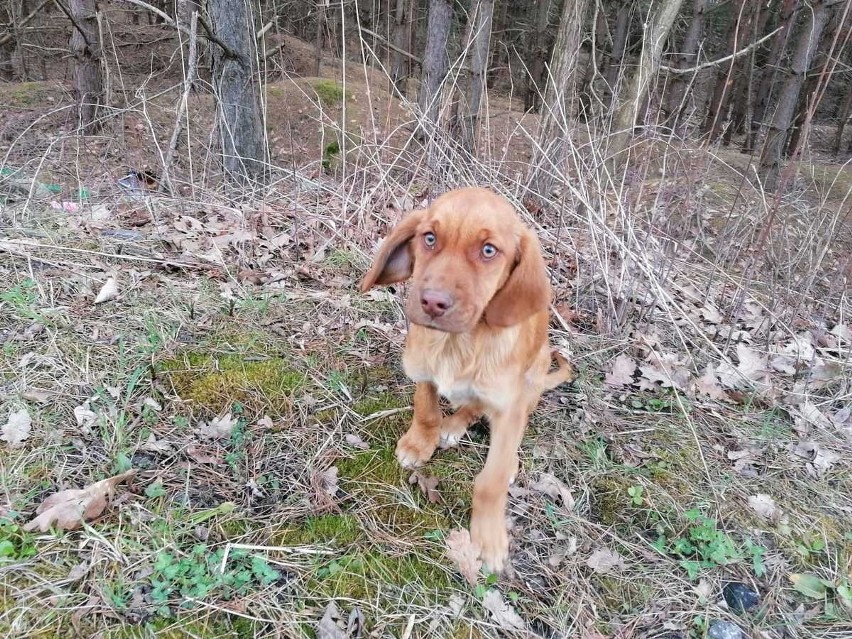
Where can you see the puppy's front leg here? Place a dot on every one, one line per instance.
(419, 442)
(490, 490)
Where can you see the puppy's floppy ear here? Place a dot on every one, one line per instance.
(526, 292)
(395, 261)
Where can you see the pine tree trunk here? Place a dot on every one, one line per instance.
(88, 81)
(615, 59)
(478, 62)
(685, 59)
(321, 18)
(560, 93)
(586, 91)
(497, 55)
(657, 31)
(726, 74)
(844, 109)
(819, 66)
(537, 56)
(435, 60)
(803, 54)
(769, 71)
(236, 81)
(400, 36)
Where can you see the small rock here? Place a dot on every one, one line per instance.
(740, 597)
(724, 630)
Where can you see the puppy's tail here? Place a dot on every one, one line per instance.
(564, 372)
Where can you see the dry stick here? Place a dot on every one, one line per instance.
(390, 45)
(714, 63)
(187, 87)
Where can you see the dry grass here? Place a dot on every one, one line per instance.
(250, 308)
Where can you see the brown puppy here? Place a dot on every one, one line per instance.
(478, 316)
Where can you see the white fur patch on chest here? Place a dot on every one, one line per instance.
(465, 369)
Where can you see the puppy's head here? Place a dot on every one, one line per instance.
(470, 259)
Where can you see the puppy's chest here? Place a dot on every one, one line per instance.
(459, 371)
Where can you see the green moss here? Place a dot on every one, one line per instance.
(364, 575)
(215, 382)
(625, 595)
(609, 498)
(336, 529)
(374, 466)
(24, 94)
(329, 92)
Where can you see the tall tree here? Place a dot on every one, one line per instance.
(769, 71)
(656, 32)
(803, 54)
(613, 63)
(435, 60)
(738, 32)
(468, 107)
(401, 29)
(686, 58)
(88, 79)
(536, 55)
(236, 81)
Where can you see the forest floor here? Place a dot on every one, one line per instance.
(217, 360)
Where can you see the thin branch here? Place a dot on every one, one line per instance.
(6, 38)
(391, 46)
(69, 15)
(714, 63)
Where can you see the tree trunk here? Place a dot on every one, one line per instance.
(741, 96)
(614, 61)
(88, 82)
(400, 36)
(537, 56)
(686, 58)
(586, 91)
(844, 109)
(738, 31)
(657, 31)
(498, 50)
(823, 62)
(806, 46)
(318, 35)
(478, 62)
(236, 81)
(559, 95)
(769, 71)
(435, 61)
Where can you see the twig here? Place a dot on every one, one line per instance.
(391, 46)
(9, 246)
(187, 87)
(714, 63)
(6, 38)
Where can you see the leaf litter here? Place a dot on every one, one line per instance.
(68, 509)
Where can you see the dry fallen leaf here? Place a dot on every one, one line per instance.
(766, 507)
(666, 369)
(604, 560)
(219, 427)
(622, 371)
(200, 455)
(68, 509)
(504, 615)
(464, 554)
(85, 416)
(353, 440)
(708, 385)
(555, 488)
(753, 367)
(428, 485)
(819, 461)
(329, 479)
(109, 291)
(330, 626)
(17, 428)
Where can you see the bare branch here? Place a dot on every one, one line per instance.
(714, 63)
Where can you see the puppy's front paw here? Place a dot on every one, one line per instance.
(452, 430)
(493, 540)
(416, 447)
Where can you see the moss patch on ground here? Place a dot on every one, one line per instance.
(213, 383)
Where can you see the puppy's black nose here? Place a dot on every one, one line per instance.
(435, 303)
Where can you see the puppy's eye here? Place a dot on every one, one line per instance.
(429, 239)
(489, 251)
